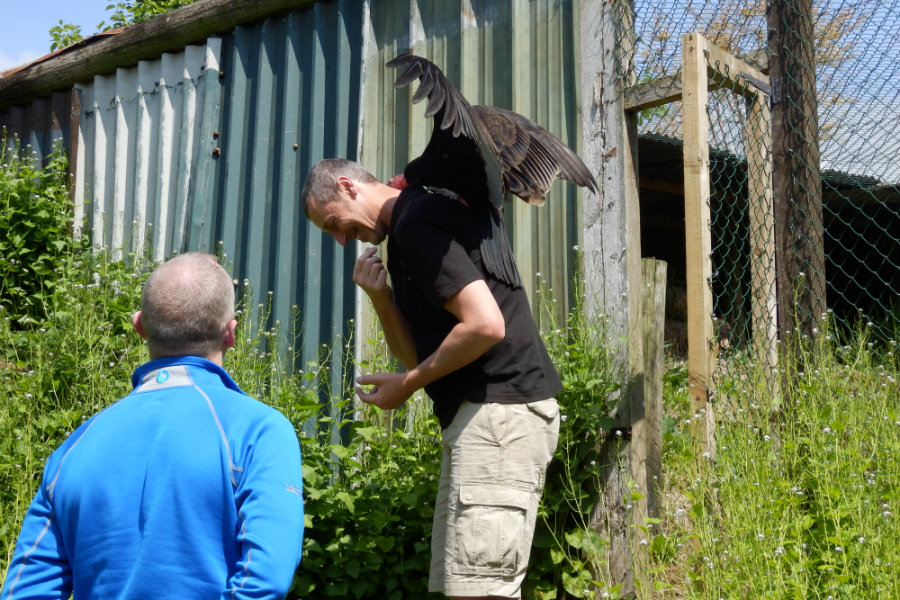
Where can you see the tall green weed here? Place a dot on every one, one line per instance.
(799, 500)
(35, 218)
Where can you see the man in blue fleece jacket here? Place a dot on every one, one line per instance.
(185, 488)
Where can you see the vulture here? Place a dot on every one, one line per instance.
(479, 153)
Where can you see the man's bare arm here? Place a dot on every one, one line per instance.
(480, 326)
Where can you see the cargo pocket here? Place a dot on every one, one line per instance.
(548, 409)
(491, 532)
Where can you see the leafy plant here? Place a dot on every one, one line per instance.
(136, 11)
(35, 218)
(568, 554)
(123, 13)
(63, 35)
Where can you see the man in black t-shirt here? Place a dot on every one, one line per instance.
(471, 342)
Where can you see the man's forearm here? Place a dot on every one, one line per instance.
(396, 331)
(463, 345)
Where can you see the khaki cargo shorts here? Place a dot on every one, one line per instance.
(492, 474)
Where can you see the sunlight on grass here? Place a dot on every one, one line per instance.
(798, 503)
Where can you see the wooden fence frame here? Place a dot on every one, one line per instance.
(706, 67)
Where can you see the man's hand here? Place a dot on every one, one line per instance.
(370, 274)
(389, 390)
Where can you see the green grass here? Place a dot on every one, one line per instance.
(800, 498)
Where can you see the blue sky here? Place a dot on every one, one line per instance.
(25, 25)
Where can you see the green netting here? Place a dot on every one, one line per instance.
(856, 47)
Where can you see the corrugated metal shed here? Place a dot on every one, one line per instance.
(207, 148)
(40, 123)
(517, 54)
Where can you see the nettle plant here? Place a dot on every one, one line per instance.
(568, 556)
(35, 218)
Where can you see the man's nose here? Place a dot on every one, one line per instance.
(341, 238)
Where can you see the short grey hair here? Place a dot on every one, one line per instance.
(186, 305)
(320, 186)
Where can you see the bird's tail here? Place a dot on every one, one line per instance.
(496, 251)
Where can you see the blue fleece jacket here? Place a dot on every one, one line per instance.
(185, 488)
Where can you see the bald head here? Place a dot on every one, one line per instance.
(186, 307)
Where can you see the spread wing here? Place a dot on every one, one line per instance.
(459, 141)
(532, 158)
(478, 149)
(527, 157)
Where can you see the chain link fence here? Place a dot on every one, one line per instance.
(839, 213)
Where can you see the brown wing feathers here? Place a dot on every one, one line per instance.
(531, 157)
(517, 155)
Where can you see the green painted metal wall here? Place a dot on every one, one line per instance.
(517, 54)
(208, 148)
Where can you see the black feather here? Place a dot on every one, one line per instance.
(482, 152)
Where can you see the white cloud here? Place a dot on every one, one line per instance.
(24, 57)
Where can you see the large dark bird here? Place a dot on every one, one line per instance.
(482, 152)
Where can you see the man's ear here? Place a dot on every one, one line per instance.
(228, 339)
(345, 184)
(138, 323)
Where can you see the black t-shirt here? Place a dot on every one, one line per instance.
(433, 253)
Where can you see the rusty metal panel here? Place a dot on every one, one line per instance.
(517, 54)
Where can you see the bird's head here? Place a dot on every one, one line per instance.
(397, 182)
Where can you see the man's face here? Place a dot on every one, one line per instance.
(348, 217)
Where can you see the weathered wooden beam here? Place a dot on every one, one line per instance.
(695, 128)
(665, 90)
(612, 253)
(103, 54)
(648, 435)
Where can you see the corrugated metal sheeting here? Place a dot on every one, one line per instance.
(517, 54)
(208, 148)
(39, 124)
(145, 145)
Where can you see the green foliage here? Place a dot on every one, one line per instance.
(369, 511)
(799, 505)
(56, 373)
(122, 14)
(567, 554)
(35, 218)
(63, 35)
(128, 13)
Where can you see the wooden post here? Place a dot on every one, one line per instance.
(612, 248)
(796, 180)
(762, 231)
(698, 241)
(648, 440)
